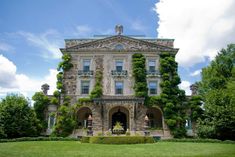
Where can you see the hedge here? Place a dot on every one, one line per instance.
(39, 139)
(117, 139)
(197, 140)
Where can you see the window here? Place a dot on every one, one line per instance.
(51, 121)
(118, 87)
(119, 65)
(152, 87)
(86, 64)
(152, 65)
(85, 87)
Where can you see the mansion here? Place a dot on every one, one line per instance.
(113, 56)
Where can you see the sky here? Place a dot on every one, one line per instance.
(31, 33)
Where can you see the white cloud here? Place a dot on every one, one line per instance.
(5, 46)
(13, 82)
(196, 73)
(82, 31)
(48, 43)
(185, 85)
(200, 28)
(138, 26)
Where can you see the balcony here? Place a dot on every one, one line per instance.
(153, 73)
(85, 73)
(117, 73)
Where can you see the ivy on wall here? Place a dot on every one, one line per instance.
(172, 98)
(139, 73)
(97, 91)
(64, 65)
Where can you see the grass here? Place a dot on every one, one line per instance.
(76, 149)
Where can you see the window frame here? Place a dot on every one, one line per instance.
(84, 67)
(82, 87)
(116, 66)
(152, 68)
(150, 89)
(121, 89)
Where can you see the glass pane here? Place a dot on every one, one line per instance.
(152, 63)
(85, 87)
(119, 85)
(152, 84)
(52, 118)
(86, 65)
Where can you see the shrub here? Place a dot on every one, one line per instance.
(39, 139)
(85, 139)
(121, 139)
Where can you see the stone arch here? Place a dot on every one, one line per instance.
(121, 114)
(82, 116)
(155, 116)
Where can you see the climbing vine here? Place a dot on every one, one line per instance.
(139, 73)
(64, 65)
(172, 98)
(97, 90)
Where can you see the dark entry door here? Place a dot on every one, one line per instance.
(119, 117)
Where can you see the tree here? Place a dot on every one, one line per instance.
(17, 118)
(217, 88)
(172, 97)
(65, 122)
(41, 103)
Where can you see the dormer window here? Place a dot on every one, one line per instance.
(152, 65)
(86, 64)
(119, 65)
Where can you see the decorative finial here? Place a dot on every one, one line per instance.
(45, 87)
(119, 29)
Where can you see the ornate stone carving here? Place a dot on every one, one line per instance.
(128, 43)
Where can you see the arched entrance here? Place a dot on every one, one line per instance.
(82, 116)
(155, 117)
(119, 114)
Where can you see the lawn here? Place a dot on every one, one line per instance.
(77, 149)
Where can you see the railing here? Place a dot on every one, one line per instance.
(119, 73)
(83, 73)
(153, 73)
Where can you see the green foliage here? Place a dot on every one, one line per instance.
(217, 90)
(41, 103)
(17, 119)
(97, 92)
(118, 129)
(172, 98)
(139, 73)
(39, 139)
(120, 139)
(196, 140)
(195, 104)
(65, 122)
(65, 63)
(84, 100)
(154, 100)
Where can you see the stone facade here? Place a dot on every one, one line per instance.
(103, 53)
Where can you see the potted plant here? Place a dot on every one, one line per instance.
(118, 129)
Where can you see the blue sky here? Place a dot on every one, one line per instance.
(32, 31)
